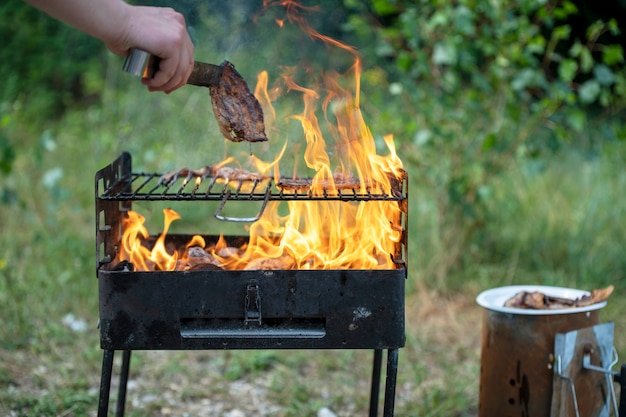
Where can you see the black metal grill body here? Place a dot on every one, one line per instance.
(259, 309)
(252, 310)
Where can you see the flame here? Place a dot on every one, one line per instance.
(135, 237)
(320, 234)
(332, 234)
(265, 99)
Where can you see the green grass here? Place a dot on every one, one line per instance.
(557, 220)
(562, 224)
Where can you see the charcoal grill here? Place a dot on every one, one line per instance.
(219, 309)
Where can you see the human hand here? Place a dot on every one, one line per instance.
(162, 32)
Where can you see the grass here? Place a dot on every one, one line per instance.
(558, 220)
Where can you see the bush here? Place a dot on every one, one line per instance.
(482, 84)
(528, 46)
(44, 62)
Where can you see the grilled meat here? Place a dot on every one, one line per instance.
(341, 182)
(536, 300)
(222, 172)
(237, 111)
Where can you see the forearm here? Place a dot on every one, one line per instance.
(101, 19)
(160, 31)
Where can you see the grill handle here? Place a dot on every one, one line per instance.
(218, 212)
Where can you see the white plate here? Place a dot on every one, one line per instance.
(495, 298)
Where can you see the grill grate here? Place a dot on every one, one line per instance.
(117, 187)
(128, 186)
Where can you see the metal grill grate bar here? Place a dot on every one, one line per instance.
(123, 185)
(149, 186)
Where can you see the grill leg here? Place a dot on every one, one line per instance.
(375, 389)
(390, 384)
(121, 397)
(105, 382)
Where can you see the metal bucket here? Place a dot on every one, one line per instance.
(516, 372)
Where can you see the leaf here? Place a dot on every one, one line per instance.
(595, 30)
(614, 27)
(438, 19)
(604, 75)
(589, 91)
(562, 32)
(404, 60)
(586, 60)
(567, 69)
(5, 120)
(577, 119)
(536, 44)
(565, 10)
(422, 137)
(444, 54)
(576, 49)
(527, 77)
(612, 54)
(7, 155)
(464, 20)
(489, 141)
(384, 8)
(51, 177)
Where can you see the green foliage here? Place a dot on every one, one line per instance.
(7, 154)
(253, 362)
(481, 84)
(44, 64)
(64, 402)
(527, 47)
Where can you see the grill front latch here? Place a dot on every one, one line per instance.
(253, 303)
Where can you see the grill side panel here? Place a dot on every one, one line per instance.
(112, 178)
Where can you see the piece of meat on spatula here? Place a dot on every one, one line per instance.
(238, 113)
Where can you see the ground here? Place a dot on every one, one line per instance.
(438, 373)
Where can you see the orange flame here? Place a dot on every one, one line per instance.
(320, 234)
(158, 258)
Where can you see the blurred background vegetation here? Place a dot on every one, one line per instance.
(509, 117)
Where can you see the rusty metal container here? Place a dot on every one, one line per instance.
(517, 360)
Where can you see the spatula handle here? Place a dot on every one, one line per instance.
(141, 63)
(145, 65)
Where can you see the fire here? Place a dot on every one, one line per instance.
(158, 258)
(319, 234)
